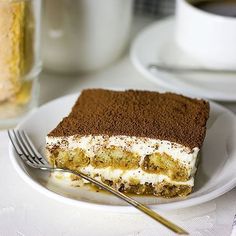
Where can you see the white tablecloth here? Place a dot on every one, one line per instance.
(25, 212)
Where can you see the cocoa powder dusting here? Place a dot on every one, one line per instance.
(165, 116)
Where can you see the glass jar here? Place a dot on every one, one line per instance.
(84, 35)
(20, 62)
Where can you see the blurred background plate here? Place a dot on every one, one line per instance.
(156, 45)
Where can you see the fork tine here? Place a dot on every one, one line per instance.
(24, 142)
(26, 146)
(37, 155)
(18, 148)
(21, 146)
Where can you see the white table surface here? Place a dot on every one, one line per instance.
(25, 212)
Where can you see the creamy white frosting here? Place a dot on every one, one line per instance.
(127, 175)
(142, 146)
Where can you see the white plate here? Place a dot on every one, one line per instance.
(156, 45)
(216, 174)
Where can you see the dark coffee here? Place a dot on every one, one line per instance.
(219, 7)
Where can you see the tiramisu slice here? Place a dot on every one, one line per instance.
(136, 141)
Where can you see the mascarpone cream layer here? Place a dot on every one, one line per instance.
(127, 176)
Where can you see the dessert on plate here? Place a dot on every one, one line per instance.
(135, 141)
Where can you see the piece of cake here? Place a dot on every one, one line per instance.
(135, 141)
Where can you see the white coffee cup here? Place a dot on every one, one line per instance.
(207, 37)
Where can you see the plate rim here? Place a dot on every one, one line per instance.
(112, 208)
(159, 81)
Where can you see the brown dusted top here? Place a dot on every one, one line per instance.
(165, 116)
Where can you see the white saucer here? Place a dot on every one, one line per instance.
(216, 174)
(156, 45)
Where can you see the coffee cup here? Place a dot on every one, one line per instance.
(208, 37)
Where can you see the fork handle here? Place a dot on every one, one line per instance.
(130, 200)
